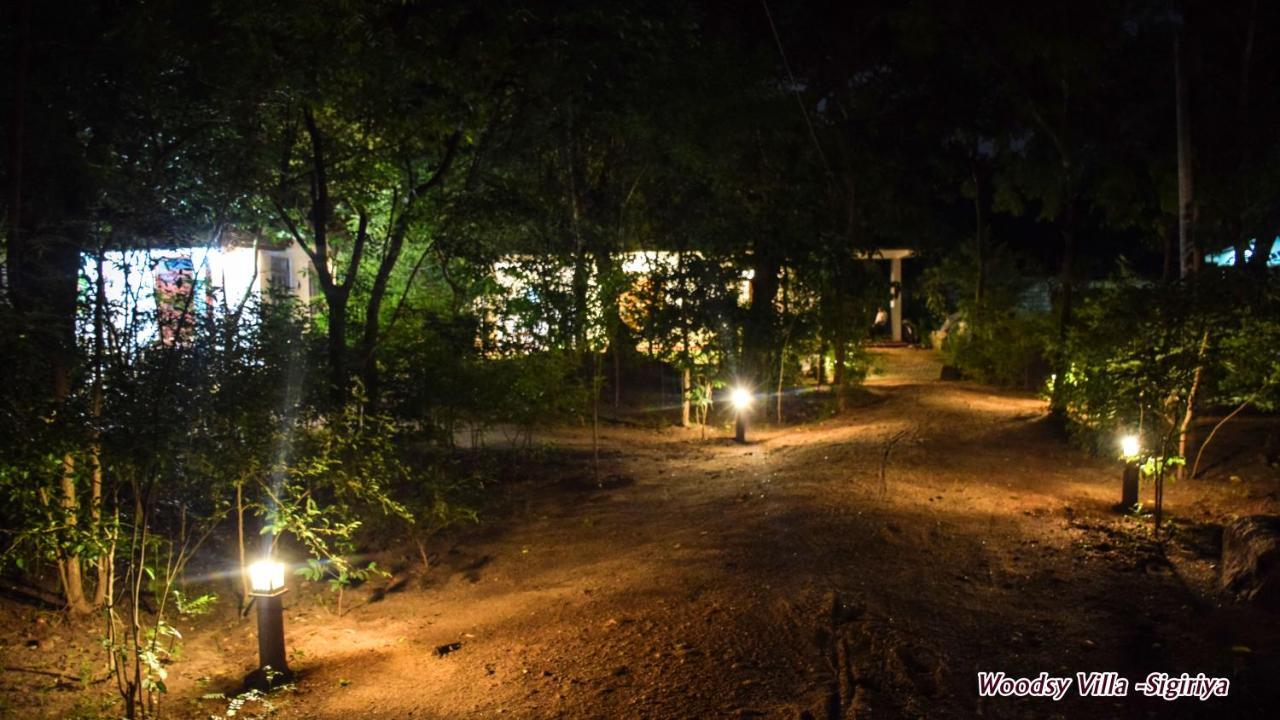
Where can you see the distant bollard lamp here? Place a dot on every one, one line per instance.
(741, 399)
(1130, 449)
(266, 585)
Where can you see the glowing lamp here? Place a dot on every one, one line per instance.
(266, 586)
(740, 398)
(266, 578)
(1130, 446)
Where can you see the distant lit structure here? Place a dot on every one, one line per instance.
(1227, 258)
(150, 292)
(895, 256)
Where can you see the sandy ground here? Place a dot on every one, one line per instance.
(866, 566)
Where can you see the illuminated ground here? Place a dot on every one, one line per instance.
(709, 580)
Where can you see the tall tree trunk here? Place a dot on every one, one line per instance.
(842, 273)
(686, 389)
(1185, 434)
(373, 313)
(95, 443)
(1188, 253)
(1243, 128)
(758, 341)
(17, 116)
(1066, 301)
(838, 372)
(980, 240)
(1170, 267)
(617, 379)
(607, 274)
(782, 369)
(782, 350)
(69, 560)
(821, 367)
(336, 300)
(580, 282)
(1262, 252)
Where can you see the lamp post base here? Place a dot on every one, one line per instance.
(740, 431)
(1129, 487)
(260, 679)
(273, 667)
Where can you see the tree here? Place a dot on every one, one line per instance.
(363, 132)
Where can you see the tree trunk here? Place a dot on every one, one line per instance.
(1185, 431)
(607, 274)
(17, 116)
(95, 443)
(980, 243)
(838, 371)
(822, 363)
(337, 345)
(782, 350)
(373, 312)
(1066, 299)
(760, 316)
(244, 566)
(1262, 252)
(1189, 259)
(686, 389)
(782, 368)
(617, 379)
(72, 578)
(1243, 140)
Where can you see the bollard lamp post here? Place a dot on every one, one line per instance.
(266, 585)
(741, 400)
(1130, 449)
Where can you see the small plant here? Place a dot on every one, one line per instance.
(238, 704)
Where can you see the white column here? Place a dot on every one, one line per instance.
(895, 301)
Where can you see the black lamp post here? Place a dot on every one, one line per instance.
(266, 583)
(741, 399)
(1130, 448)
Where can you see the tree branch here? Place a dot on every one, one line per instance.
(357, 250)
(450, 152)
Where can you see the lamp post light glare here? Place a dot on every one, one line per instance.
(266, 577)
(1130, 446)
(1130, 449)
(266, 586)
(740, 397)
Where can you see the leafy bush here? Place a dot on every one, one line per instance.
(1001, 347)
(1135, 348)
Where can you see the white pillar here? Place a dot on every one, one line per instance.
(895, 300)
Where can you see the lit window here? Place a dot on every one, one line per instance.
(279, 276)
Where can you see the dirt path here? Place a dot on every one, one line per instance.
(785, 579)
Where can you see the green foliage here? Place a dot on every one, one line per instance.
(1002, 339)
(201, 605)
(1136, 347)
(1001, 347)
(339, 469)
